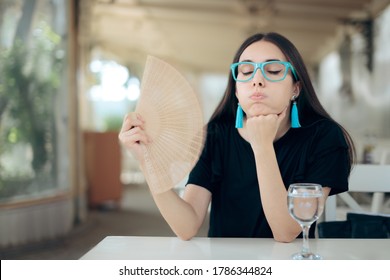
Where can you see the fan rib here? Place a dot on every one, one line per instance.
(173, 117)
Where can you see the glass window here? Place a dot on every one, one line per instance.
(34, 138)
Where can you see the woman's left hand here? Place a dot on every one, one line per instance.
(262, 129)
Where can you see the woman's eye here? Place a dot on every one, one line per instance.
(275, 72)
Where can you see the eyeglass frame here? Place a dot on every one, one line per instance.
(260, 65)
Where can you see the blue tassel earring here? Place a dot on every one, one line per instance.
(239, 117)
(294, 116)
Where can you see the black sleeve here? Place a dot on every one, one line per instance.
(328, 161)
(202, 173)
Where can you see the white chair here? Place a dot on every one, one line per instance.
(378, 198)
(369, 178)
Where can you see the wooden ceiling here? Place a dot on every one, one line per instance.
(204, 34)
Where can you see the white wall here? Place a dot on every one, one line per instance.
(365, 111)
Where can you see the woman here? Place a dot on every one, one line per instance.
(256, 146)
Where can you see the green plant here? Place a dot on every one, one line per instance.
(113, 123)
(29, 82)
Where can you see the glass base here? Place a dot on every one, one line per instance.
(307, 256)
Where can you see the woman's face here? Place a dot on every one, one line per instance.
(260, 96)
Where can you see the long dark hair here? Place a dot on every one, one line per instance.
(309, 107)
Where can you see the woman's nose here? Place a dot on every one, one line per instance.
(258, 78)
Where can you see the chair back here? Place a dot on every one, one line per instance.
(370, 178)
(359, 223)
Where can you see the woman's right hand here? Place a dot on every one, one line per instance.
(132, 135)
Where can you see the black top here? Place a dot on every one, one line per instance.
(314, 154)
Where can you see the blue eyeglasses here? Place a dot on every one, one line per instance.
(273, 71)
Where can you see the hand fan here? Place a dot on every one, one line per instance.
(173, 120)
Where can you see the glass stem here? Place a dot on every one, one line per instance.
(305, 237)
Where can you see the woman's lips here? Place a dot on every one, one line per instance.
(257, 96)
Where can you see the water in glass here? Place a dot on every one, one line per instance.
(305, 205)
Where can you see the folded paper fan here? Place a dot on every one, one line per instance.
(173, 121)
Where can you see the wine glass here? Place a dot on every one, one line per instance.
(305, 205)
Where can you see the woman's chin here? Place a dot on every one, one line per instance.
(255, 113)
(257, 110)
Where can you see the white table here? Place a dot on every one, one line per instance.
(171, 248)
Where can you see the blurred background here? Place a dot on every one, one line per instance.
(71, 70)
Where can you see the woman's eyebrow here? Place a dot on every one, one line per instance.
(272, 59)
